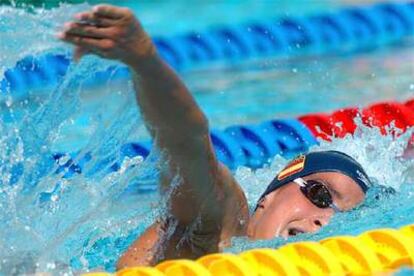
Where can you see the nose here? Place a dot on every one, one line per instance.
(320, 221)
(318, 217)
(317, 222)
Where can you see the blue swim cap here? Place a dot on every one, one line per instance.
(321, 161)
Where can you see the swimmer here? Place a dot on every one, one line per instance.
(207, 208)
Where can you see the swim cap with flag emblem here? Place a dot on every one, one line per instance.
(320, 161)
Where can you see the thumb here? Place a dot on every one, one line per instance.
(78, 53)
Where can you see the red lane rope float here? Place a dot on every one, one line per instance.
(341, 122)
(319, 124)
(381, 115)
(410, 104)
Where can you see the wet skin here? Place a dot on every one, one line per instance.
(286, 211)
(208, 207)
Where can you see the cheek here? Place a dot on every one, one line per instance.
(264, 224)
(269, 222)
(298, 204)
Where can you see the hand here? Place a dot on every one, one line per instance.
(110, 32)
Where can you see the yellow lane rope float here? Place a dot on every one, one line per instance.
(372, 252)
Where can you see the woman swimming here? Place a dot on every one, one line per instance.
(207, 208)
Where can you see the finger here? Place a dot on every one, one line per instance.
(87, 18)
(87, 43)
(87, 30)
(109, 11)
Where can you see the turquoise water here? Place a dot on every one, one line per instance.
(90, 219)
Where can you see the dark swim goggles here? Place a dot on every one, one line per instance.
(317, 193)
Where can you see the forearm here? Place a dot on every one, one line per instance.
(165, 102)
(180, 131)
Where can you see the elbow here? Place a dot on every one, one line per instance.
(193, 125)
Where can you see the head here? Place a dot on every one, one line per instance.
(286, 207)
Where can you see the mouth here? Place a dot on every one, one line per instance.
(294, 231)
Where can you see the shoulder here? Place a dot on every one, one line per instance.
(231, 187)
(236, 211)
(211, 232)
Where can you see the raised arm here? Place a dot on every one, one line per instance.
(176, 123)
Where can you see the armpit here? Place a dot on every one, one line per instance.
(188, 241)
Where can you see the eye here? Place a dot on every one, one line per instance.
(320, 195)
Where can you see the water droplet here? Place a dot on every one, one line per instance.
(54, 198)
(50, 265)
(9, 102)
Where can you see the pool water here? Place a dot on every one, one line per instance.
(66, 224)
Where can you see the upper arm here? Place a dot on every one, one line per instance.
(186, 238)
(142, 251)
(192, 177)
(215, 220)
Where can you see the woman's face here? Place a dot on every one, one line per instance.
(286, 211)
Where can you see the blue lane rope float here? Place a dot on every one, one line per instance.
(250, 145)
(292, 136)
(228, 149)
(350, 29)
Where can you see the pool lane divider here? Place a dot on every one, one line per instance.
(370, 253)
(255, 145)
(351, 29)
(341, 122)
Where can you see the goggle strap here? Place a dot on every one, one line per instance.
(300, 181)
(335, 208)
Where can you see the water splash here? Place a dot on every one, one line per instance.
(33, 33)
(52, 218)
(52, 222)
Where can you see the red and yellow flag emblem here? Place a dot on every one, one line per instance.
(293, 167)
